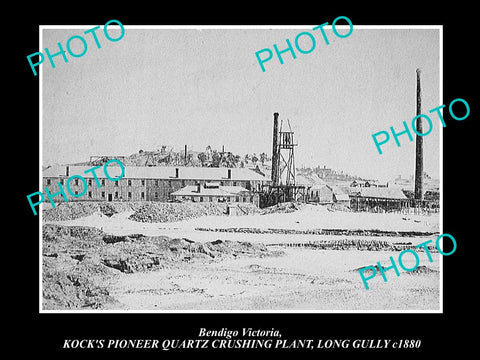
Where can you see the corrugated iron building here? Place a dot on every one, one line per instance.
(377, 199)
(143, 183)
(319, 191)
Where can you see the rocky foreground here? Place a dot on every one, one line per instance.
(143, 211)
(291, 256)
(80, 263)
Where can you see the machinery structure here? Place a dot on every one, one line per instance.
(283, 187)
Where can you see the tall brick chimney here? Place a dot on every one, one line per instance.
(419, 146)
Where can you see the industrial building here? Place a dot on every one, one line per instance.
(214, 192)
(155, 183)
(377, 199)
(221, 184)
(319, 191)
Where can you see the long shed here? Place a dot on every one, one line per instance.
(143, 183)
(377, 199)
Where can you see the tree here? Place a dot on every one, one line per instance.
(232, 160)
(238, 161)
(203, 158)
(208, 152)
(263, 157)
(254, 159)
(189, 160)
(216, 159)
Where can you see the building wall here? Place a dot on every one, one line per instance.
(322, 195)
(129, 189)
(124, 189)
(359, 203)
(242, 198)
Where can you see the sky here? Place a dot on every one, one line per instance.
(200, 87)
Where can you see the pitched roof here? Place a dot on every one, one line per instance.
(340, 194)
(234, 189)
(309, 180)
(158, 172)
(265, 170)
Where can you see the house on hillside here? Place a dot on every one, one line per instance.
(367, 183)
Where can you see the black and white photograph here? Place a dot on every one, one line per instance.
(242, 189)
(248, 185)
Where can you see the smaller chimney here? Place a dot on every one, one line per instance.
(199, 187)
(275, 153)
(176, 173)
(185, 156)
(67, 171)
(229, 174)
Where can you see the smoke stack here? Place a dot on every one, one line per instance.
(185, 155)
(275, 150)
(419, 146)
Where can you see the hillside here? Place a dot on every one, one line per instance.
(168, 157)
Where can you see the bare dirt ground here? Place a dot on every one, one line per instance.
(303, 259)
(299, 280)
